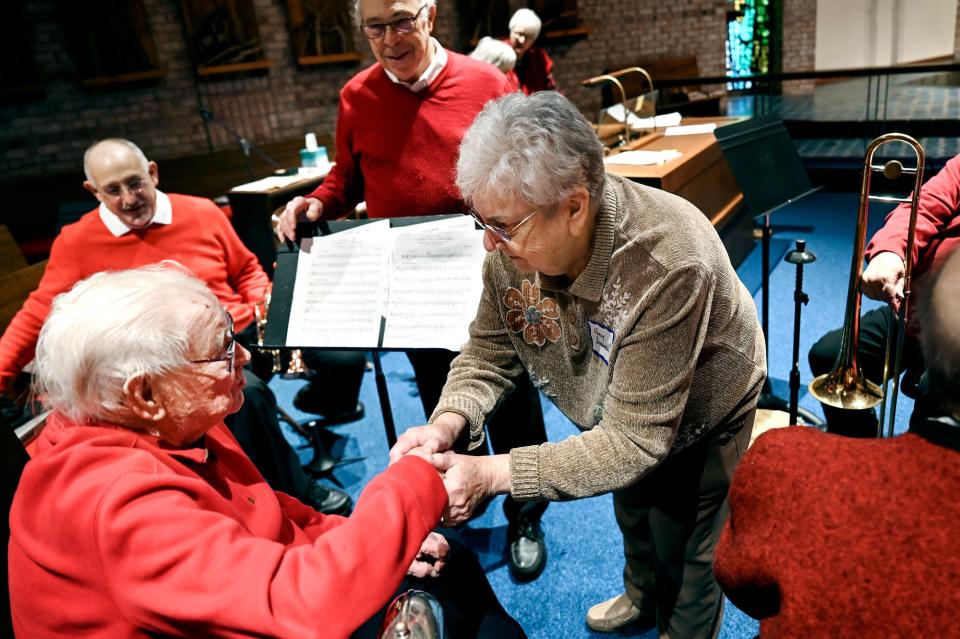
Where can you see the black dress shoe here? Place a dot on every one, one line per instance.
(527, 549)
(328, 501)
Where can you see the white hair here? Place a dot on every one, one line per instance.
(538, 148)
(359, 16)
(496, 52)
(111, 327)
(528, 21)
(133, 148)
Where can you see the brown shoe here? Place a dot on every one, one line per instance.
(614, 614)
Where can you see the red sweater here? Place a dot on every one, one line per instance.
(830, 536)
(200, 237)
(938, 225)
(114, 534)
(397, 149)
(535, 71)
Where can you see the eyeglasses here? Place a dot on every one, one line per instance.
(134, 185)
(502, 233)
(400, 26)
(229, 356)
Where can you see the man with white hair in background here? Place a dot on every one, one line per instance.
(499, 54)
(136, 224)
(534, 67)
(399, 129)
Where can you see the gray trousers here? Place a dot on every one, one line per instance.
(671, 520)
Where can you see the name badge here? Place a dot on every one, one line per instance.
(602, 338)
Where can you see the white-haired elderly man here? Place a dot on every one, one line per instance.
(399, 127)
(534, 67)
(621, 303)
(499, 54)
(140, 516)
(137, 224)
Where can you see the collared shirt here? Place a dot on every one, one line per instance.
(116, 226)
(430, 74)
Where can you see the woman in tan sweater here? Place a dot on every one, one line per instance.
(620, 302)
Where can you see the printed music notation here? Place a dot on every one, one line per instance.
(424, 279)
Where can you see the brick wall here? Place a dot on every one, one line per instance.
(799, 41)
(48, 134)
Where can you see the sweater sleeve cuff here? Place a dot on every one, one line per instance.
(469, 410)
(525, 473)
(417, 473)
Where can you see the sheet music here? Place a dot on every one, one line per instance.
(691, 129)
(615, 112)
(435, 284)
(339, 295)
(643, 158)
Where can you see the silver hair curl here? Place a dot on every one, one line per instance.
(495, 52)
(110, 328)
(526, 19)
(117, 141)
(537, 148)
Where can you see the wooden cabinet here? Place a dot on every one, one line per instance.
(223, 36)
(322, 31)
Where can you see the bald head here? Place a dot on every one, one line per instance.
(939, 314)
(120, 177)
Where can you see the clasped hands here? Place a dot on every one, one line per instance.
(468, 479)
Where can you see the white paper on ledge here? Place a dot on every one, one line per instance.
(691, 129)
(643, 158)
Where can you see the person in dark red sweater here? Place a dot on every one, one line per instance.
(140, 516)
(534, 67)
(398, 133)
(937, 236)
(830, 536)
(134, 225)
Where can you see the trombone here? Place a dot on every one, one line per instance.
(845, 386)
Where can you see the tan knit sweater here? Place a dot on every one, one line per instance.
(655, 344)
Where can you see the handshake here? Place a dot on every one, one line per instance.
(468, 479)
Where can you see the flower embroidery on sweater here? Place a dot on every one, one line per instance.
(613, 306)
(535, 317)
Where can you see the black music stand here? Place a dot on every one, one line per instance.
(770, 174)
(282, 296)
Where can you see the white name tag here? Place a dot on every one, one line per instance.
(602, 338)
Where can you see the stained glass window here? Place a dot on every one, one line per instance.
(750, 39)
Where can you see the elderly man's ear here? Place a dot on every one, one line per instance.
(140, 398)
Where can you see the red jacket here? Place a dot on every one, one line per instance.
(535, 71)
(117, 535)
(938, 225)
(831, 536)
(398, 149)
(200, 237)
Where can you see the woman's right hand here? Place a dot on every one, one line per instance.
(432, 438)
(299, 209)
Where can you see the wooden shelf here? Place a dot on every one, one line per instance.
(126, 78)
(567, 33)
(239, 67)
(309, 60)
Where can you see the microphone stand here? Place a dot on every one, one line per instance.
(245, 145)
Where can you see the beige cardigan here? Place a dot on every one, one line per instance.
(655, 344)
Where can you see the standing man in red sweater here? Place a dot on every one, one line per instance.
(398, 135)
(534, 67)
(136, 225)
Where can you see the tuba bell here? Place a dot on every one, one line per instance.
(845, 386)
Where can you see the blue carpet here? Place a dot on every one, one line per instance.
(585, 557)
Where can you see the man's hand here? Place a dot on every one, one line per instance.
(883, 279)
(431, 558)
(299, 209)
(432, 438)
(469, 480)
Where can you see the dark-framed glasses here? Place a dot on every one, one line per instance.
(503, 233)
(230, 355)
(400, 26)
